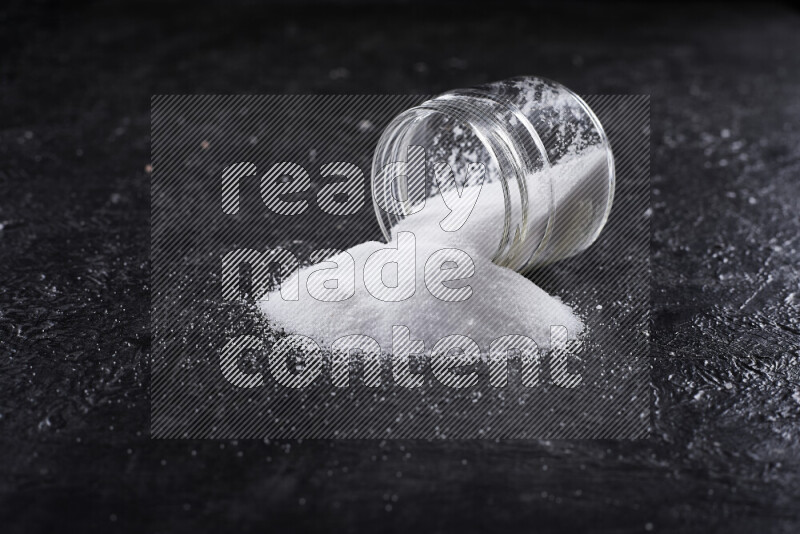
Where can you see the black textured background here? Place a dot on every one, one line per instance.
(75, 86)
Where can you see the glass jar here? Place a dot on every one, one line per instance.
(536, 150)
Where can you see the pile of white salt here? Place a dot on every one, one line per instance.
(502, 302)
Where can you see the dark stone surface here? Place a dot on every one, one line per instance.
(74, 208)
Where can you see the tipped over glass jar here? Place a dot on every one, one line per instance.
(519, 171)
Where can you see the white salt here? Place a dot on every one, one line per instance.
(502, 302)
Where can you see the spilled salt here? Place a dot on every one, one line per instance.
(502, 301)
